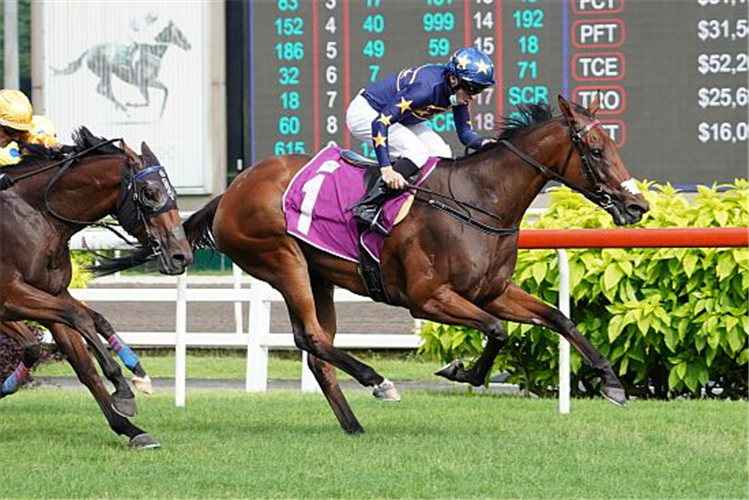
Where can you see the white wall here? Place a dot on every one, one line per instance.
(189, 139)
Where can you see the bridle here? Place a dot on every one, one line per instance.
(597, 195)
(132, 207)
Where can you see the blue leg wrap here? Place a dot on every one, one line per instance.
(10, 385)
(128, 357)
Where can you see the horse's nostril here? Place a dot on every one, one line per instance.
(637, 208)
(179, 259)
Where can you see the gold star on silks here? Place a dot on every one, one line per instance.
(470, 125)
(379, 140)
(404, 105)
(385, 119)
(483, 67)
(463, 62)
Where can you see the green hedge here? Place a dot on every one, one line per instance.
(671, 321)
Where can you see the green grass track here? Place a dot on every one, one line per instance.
(54, 443)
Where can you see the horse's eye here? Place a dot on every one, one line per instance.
(597, 153)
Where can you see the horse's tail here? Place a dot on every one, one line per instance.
(72, 67)
(198, 226)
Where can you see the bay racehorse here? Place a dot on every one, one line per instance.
(48, 198)
(449, 269)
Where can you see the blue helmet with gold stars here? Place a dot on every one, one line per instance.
(473, 68)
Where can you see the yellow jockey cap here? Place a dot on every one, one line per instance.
(15, 110)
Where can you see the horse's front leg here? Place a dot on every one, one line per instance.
(446, 306)
(141, 380)
(517, 305)
(156, 84)
(123, 399)
(72, 346)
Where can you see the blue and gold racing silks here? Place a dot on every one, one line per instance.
(42, 132)
(411, 96)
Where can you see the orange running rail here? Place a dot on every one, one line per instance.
(675, 237)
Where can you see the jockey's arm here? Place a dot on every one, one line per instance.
(10, 154)
(464, 128)
(410, 98)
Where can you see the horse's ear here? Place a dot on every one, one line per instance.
(566, 109)
(148, 156)
(132, 157)
(595, 104)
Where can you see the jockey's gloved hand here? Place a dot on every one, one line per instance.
(487, 141)
(392, 179)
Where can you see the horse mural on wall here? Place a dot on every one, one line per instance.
(137, 64)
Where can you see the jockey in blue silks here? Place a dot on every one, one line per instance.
(392, 114)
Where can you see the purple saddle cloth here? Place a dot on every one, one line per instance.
(317, 202)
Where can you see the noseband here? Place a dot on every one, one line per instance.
(597, 195)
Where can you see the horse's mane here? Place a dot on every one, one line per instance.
(528, 116)
(83, 139)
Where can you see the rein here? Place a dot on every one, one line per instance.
(597, 196)
(465, 216)
(65, 162)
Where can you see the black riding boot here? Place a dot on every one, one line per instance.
(367, 210)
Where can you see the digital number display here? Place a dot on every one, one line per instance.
(672, 75)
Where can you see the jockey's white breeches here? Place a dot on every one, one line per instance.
(416, 142)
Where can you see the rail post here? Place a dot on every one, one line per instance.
(309, 382)
(180, 342)
(564, 346)
(258, 329)
(237, 274)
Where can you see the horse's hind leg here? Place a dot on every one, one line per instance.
(19, 332)
(476, 375)
(445, 306)
(293, 281)
(105, 87)
(72, 346)
(141, 380)
(517, 305)
(325, 372)
(25, 301)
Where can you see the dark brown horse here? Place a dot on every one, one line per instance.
(439, 267)
(47, 202)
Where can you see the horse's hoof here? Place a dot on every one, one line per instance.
(124, 407)
(386, 391)
(616, 395)
(450, 370)
(143, 384)
(144, 442)
(354, 430)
